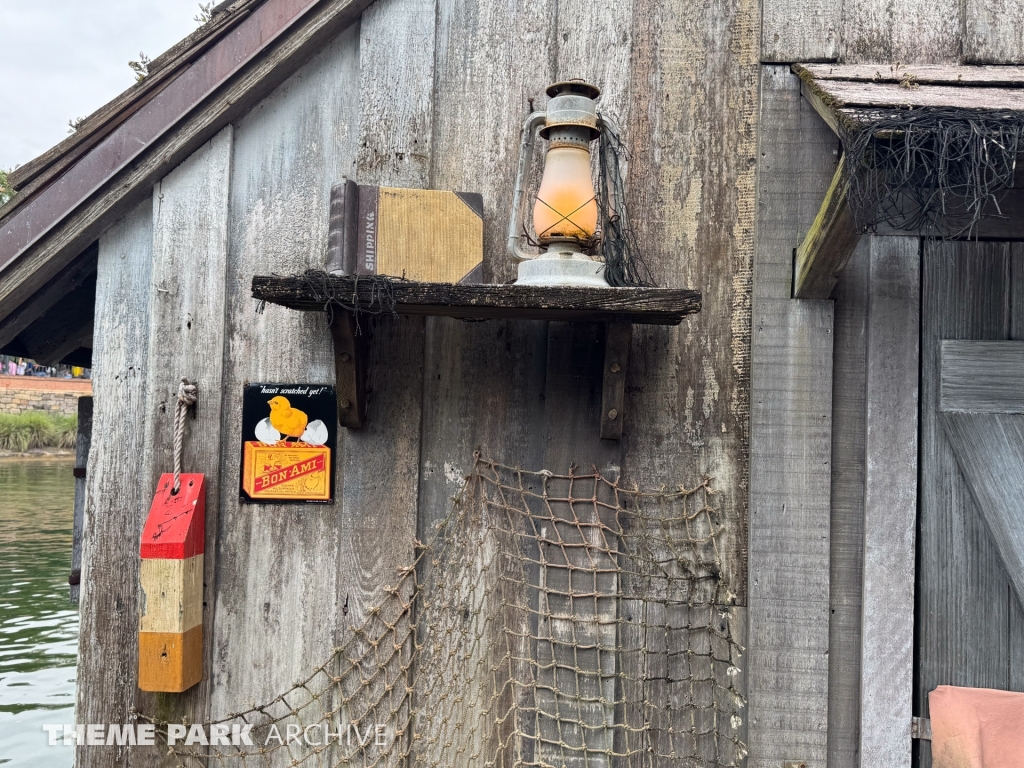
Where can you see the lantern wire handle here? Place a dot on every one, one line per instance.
(530, 128)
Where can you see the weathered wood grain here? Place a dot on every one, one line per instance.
(828, 244)
(396, 82)
(278, 593)
(982, 376)
(918, 31)
(890, 501)
(807, 30)
(186, 339)
(964, 602)
(82, 441)
(381, 461)
(790, 445)
(846, 529)
(691, 131)
(989, 449)
(923, 74)
(572, 417)
(847, 93)
(993, 32)
(662, 306)
(484, 383)
(116, 501)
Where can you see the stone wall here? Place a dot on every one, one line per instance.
(19, 394)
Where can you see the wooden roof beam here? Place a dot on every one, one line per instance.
(829, 243)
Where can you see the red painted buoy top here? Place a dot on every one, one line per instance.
(175, 528)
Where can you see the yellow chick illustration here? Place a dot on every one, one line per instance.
(290, 422)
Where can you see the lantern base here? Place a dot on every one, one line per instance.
(556, 271)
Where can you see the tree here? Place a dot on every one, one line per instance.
(205, 13)
(140, 67)
(6, 190)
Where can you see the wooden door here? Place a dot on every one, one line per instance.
(969, 620)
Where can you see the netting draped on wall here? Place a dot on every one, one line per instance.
(551, 620)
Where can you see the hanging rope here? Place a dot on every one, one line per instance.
(188, 393)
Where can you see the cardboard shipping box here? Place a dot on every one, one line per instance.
(419, 234)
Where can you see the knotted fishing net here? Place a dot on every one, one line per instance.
(551, 620)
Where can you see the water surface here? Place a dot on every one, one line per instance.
(38, 626)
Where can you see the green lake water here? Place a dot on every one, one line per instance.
(38, 626)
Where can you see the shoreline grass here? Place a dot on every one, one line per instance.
(21, 432)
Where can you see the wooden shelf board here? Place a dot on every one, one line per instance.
(650, 306)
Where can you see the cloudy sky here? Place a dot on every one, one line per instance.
(64, 59)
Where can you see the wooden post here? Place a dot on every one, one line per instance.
(890, 502)
(790, 449)
(81, 462)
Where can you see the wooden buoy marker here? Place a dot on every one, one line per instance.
(171, 576)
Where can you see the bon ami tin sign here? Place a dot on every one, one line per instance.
(288, 443)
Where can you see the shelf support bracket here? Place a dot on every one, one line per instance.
(350, 369)
(617, 339)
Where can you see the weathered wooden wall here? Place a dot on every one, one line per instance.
(897, 31)
(419, 93)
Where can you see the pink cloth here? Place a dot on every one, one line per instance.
(976, 728)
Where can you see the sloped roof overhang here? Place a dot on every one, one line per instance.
(47, 228)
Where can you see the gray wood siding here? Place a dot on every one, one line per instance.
(968, 619)
(790, 444)
(846, 531)
(885, 32)
(186, 336)
(278, 596)
(890, 501)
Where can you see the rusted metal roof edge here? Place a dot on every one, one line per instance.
(67, 234)
(228, 57)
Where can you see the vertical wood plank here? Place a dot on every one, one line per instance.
(993, 32)
(908, 31)
(690, 126)
(595, 46)
(846, 530)
(804, 30)
(277, 592)
(790, 446)
(890, 502)
(963, 609)
(116, 501)
(1016, 682)
(484, 383)
(186, 339)
(382, 460)
(396, 81)
(691, 131)
(82, 441)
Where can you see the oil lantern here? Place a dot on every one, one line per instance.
(565, 212)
